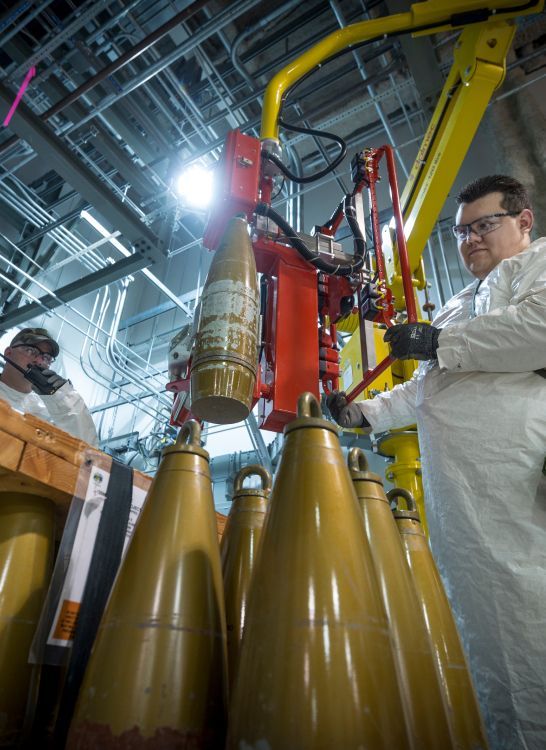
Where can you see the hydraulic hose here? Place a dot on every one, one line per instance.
(343, 268)
(318, 134)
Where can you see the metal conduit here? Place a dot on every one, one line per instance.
(238, 113)
(435, 274)
(99, 328)
(58, 235)
(118, 16)
(281, 10)
(351, 143)
(21, 25)
(57, 36)
(110, 337)
(70, 243)
(116, 65)
(444, 261)
(253, 124)
(128, 354)
(117, 391)
(32, 212)
(222, 19)
(251, 31)
(362, 70)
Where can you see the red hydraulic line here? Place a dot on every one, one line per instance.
(374, 215)
(400, 238)
(333, 334)
(369, 377)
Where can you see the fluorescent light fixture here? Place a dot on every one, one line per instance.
(112, 238)
(105, 233)
(195, 186)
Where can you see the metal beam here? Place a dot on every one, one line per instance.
(75, 289)
(153, 312)
(51, 148)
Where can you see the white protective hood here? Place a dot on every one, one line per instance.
(481, 417)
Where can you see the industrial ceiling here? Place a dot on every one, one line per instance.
(127, 94)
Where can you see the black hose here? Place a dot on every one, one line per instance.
(318, 134)
(349, 211)
(343, 268)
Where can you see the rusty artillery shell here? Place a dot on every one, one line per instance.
(225, 357)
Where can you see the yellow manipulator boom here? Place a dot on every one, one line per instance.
(478, 69)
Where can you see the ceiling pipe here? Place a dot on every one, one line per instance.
(336, 10)
(225, 17)
(116, 65)
(251, 31)
(91, 343)
(21, 25)
(60, 34)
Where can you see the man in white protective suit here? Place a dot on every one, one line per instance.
(64, 407)
(479, 400)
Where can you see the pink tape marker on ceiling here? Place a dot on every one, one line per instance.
(29, 76)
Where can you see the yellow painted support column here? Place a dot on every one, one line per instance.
(405, 471)
(479, 68)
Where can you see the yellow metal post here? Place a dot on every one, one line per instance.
(479, 68)
(405, 470)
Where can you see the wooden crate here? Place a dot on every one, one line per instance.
(40, 459)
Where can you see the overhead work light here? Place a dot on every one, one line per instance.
(195, 186)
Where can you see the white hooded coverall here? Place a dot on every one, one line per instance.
(65, 408)
(481, 417)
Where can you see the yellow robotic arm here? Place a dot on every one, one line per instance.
(427, 17)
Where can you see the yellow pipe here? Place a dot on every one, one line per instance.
(405, 471)
(327, 47)
(436, 13)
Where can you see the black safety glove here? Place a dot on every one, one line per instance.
(345, 414)
(44, 382)
(413, 340)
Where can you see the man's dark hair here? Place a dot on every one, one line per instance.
(514, 195)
